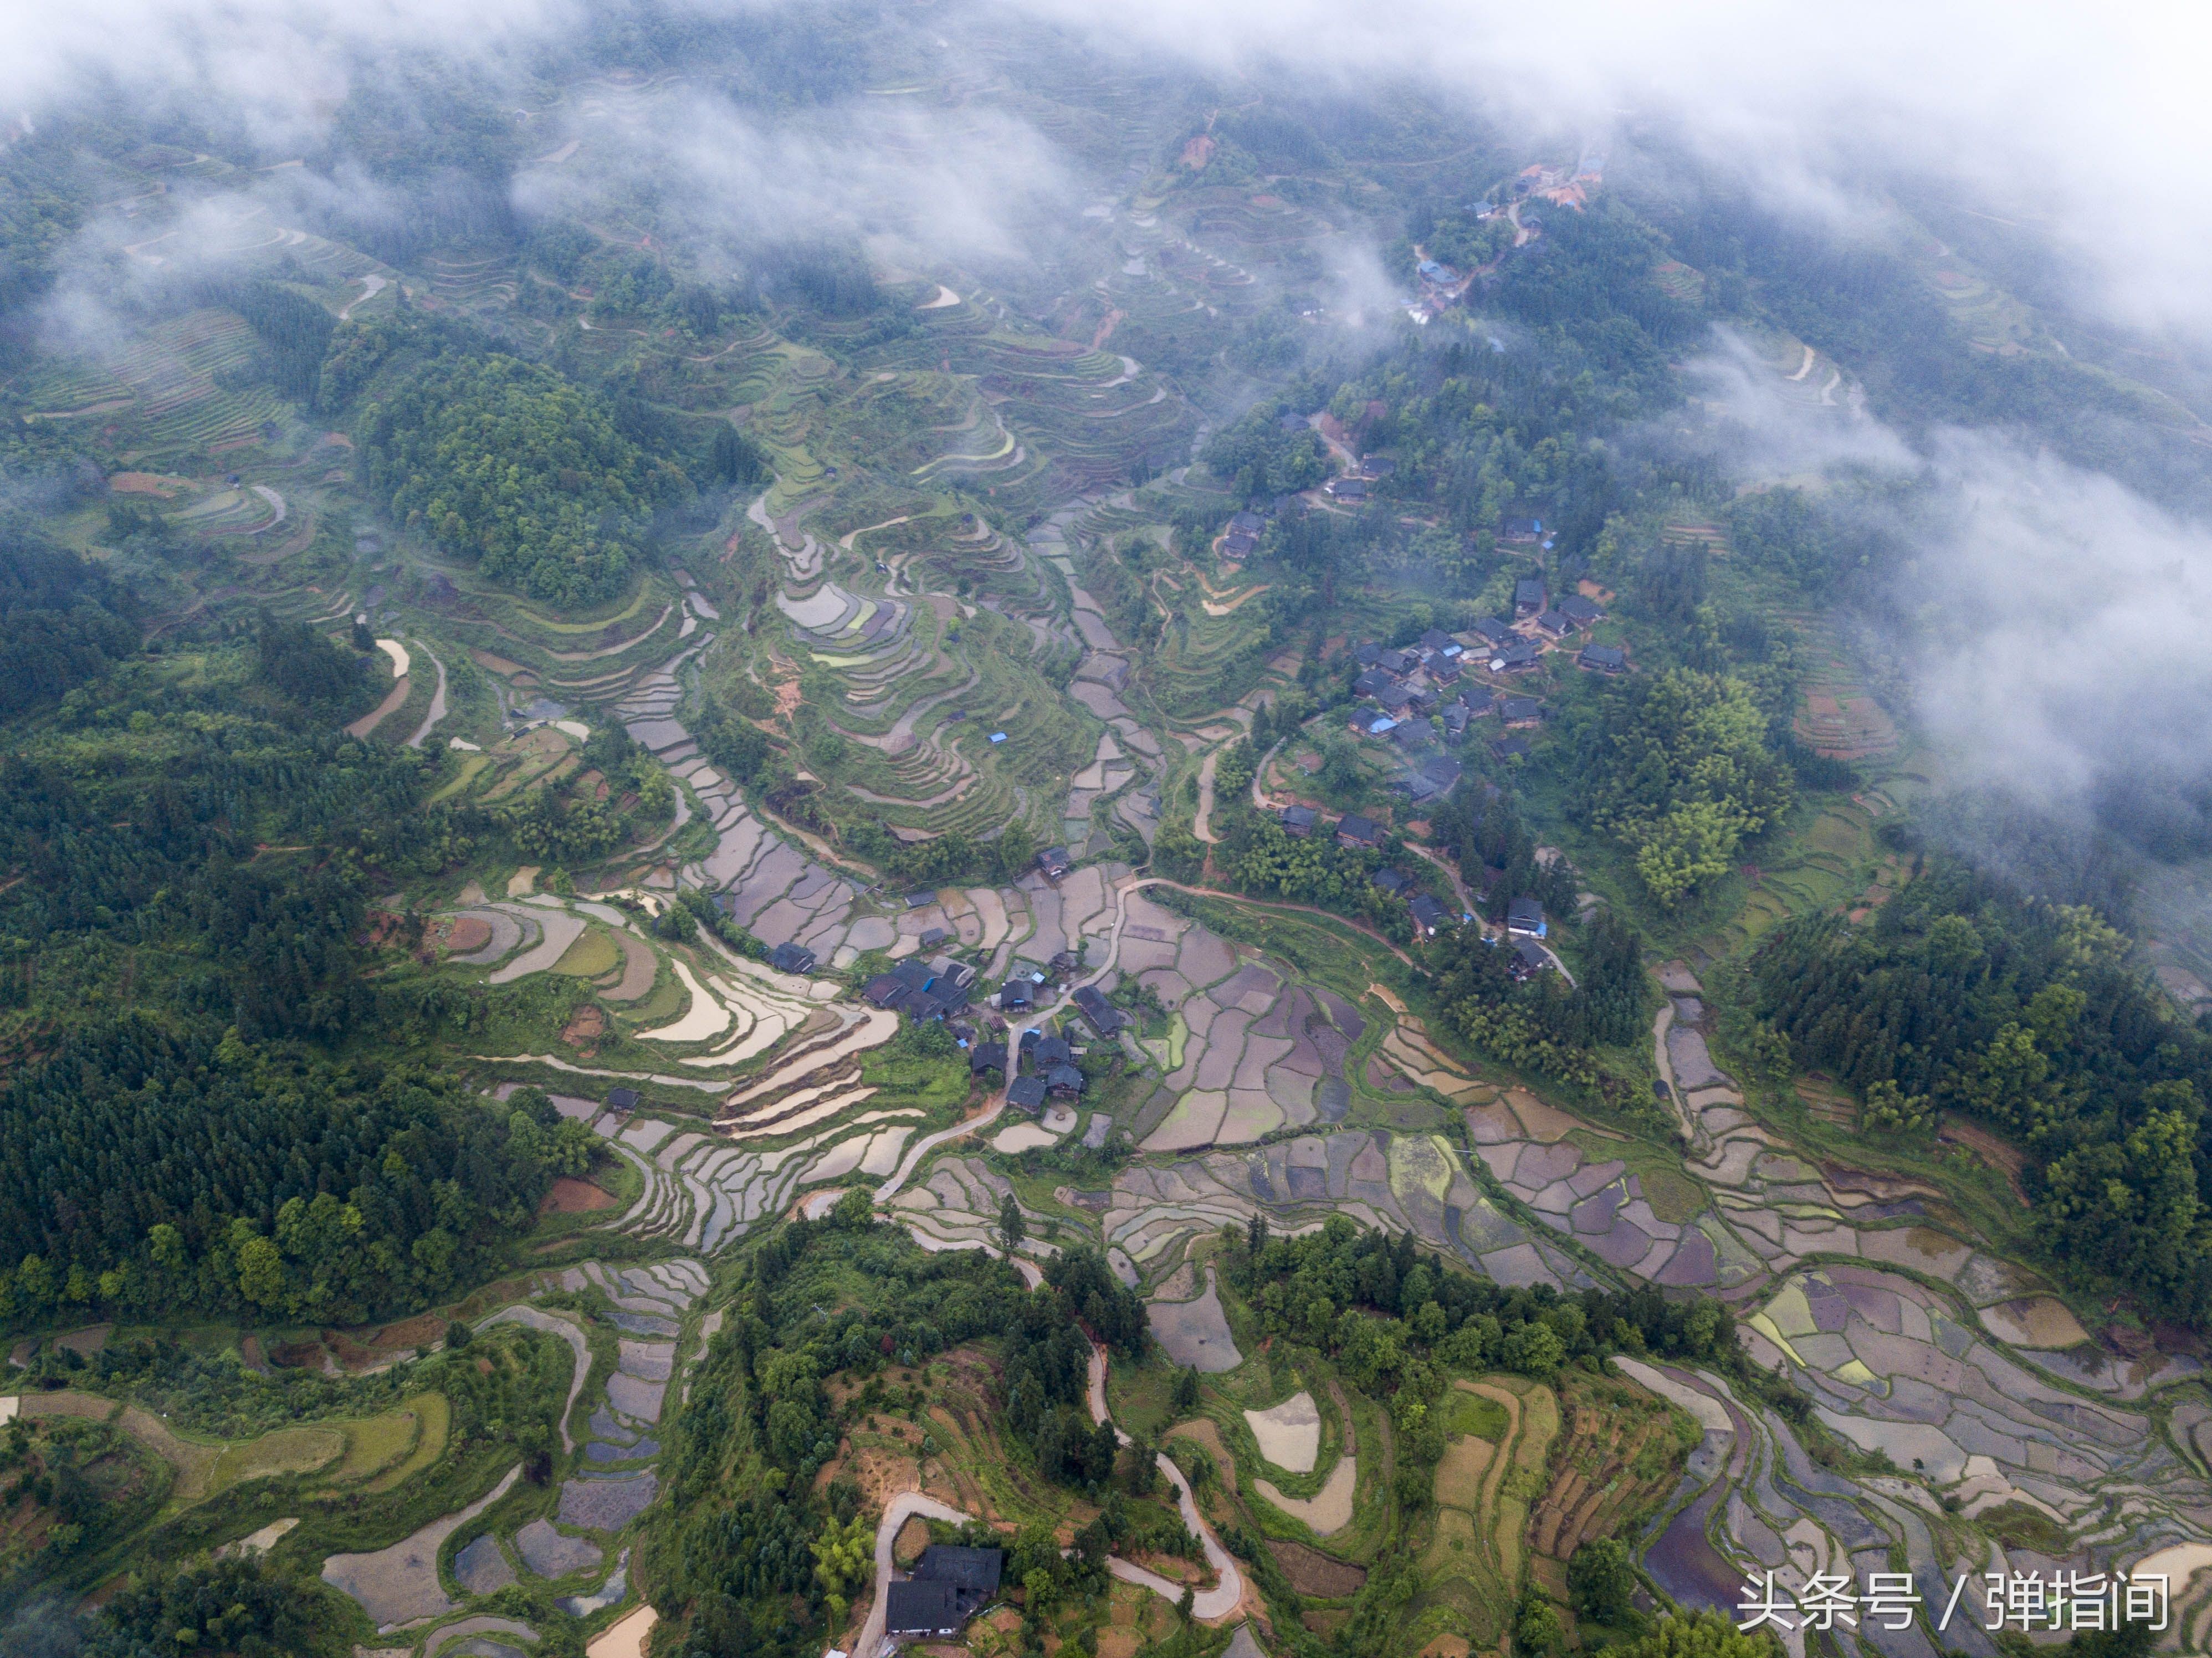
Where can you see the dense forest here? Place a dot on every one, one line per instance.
(176, 1132)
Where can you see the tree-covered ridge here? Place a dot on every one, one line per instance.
(1962, 996)
(187, 847)
(505, 462)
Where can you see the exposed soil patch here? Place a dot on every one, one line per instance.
(462, 934)
(571, 1196)
(1311, 1572)
(589, 1025)
(1998, 1154)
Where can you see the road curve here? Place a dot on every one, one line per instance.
(889, 1188)
(1228, 1590)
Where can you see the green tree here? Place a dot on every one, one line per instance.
(1600, 1578)
(1184, 1401)
(1012, 1228)
(1676, 768)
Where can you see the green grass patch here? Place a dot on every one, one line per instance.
(435, 1416)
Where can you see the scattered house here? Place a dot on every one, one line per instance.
(1520, 657)
(1016, 996)
(1055, 863)
(792, 958)
(972, 1574)
(1416, 788)
(1391, 881)
(1530, 598)
(1063, 1079)
(1291, 424)
(1456, 716)
(1298, 821)
(1351, 490)
(621, 1101)
(986, 1056)
(1049, 1052)
(1063, 963)
(917, 1611)
(1436, 642)
(1527, 960)
(1522, 711)
(1372, 467)
(1372, 725)
(1428, 915)
(1520, 528)
(1353, 831)
(1413, 736)
(1554, 624)
(886, 990)
(1250, 523)
(1442, 275)
(1239, 543)
(1603, 658)
(1105, 1019)
(934, 936)
(1583, 612)
(921, 900)
(1524, 917)
(1445, 669)
(944, 971)
(1025, 1094)
(1510, 747)
(1442, 770)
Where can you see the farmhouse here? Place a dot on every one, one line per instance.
(1017, 995)
(1353, 831)
(1519, 657)
(1055, 863)
(1428, 915)
(1522, 711)
(792, 958)
(1299, 821)
(1583, 612)
(1510, 747)
(1026, 1093)
(1528, 596)
(1603, 659)
(1064, 1080)
(1525, 916)
(948, 1587)
(1391, 881)
(986, 1056)
(1351, 490)
(1105, 1019)
(1528, 959)
(1554, 624)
